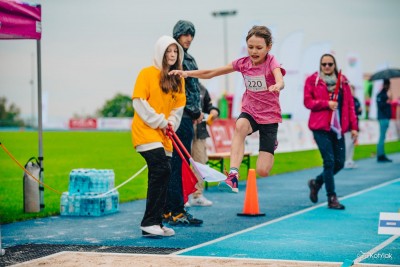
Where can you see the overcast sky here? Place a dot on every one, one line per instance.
(94, 49)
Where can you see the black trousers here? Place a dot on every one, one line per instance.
(159, 171)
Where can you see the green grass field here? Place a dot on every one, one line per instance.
(64, 151)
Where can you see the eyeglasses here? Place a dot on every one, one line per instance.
(329, 64)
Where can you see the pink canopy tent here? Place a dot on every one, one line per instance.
(20, 20)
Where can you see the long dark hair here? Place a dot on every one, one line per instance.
(334, 61)
(170, 83)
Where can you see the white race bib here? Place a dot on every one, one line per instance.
(255, 83)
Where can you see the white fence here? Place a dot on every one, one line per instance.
(295, 135)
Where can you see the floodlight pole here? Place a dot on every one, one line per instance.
(40, 125)
(32, 83)
(224, 14)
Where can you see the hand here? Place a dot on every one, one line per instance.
(199, 119)
(274, 88)
(214, 114)
(354, 136)
(180, 73)
(333, 105)
(167, 129)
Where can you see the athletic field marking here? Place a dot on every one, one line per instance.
(376, 249)
(282, 218)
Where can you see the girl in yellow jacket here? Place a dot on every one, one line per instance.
(158, 100)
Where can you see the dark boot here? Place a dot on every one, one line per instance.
(314, 188)
(383, 158)
(333, 203)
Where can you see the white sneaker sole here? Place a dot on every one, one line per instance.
(151, 231)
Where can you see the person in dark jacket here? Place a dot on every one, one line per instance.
(318, 97)
(199, 147)
(383, 100)
(175, 213)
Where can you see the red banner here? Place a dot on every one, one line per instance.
(82, 123)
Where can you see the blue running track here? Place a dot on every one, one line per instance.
(293, 228)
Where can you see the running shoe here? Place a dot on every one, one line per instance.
(166, 217)
(200, 201)
(350, 165)
(184, 219)
(168, 231)
(152, 231)
(230, 184)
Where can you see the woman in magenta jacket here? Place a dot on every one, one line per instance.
(318, 97)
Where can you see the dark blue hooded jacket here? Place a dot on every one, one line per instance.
(192, 85)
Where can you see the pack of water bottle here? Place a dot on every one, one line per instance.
(90, 193)
(91, 181)
(89, 204)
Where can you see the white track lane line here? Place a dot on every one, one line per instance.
(281, 218)
(376, 249)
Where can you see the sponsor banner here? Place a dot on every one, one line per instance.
(83, 123)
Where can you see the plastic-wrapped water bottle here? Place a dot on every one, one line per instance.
(84, 188)
(71, 187)
(64, 204)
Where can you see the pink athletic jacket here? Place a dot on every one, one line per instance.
(316, 98)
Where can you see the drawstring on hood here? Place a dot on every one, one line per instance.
(161, 46)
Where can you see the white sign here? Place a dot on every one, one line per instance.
(389, 223)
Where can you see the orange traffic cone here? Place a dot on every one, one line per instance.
(250, 207)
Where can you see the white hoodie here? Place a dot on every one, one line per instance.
(161, 46)
(143, 108)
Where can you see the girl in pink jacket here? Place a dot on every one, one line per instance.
(319, 92)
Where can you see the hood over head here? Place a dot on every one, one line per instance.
(161, 46)
(183, 27)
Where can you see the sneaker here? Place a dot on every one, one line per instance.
(230, 184)
(152, 231)
(200, 201)
(184, 218)
(166, 217)
(333, 203)
(383, 158)
(168, 231)
(314, 188)
(350, 165)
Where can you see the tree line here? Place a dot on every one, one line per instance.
(119, 106)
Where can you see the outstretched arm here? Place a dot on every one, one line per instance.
(279, 84)
(204, 74)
